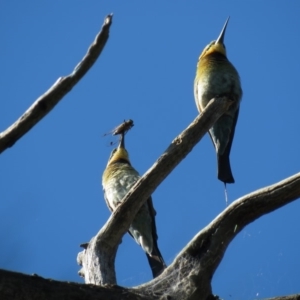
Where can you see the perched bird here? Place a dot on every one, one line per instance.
(118, 177)
(216, 76)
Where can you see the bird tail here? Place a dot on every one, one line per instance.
(156, 262)
(224, 169)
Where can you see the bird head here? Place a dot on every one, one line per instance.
(217, 45)
(119, 154)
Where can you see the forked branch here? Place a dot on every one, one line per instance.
(194, 267)
(98, 259)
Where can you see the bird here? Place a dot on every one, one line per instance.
(215, 77)
(117, 179)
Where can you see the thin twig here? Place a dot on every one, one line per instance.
(45, 103)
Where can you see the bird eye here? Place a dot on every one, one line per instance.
(112, 153)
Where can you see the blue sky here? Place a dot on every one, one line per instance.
(50, 195)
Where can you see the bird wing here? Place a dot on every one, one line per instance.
(227, 149)
(107, 202)
(224, 169)
(156, 261)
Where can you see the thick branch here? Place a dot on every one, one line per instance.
(103, 248)
(290, 297)
(17, 286)
(212, 242)
(45, 103)
(195, 265)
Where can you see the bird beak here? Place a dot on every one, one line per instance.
(122, 141)
(220, 39)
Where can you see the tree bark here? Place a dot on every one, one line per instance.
(188, 277)
(98, 259)
(17, 286)
(193, 268)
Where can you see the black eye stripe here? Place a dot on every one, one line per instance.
(112, 153)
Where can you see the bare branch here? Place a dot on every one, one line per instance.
(194, 267)
(101, 251)
(211, 243)
(45, 103)
(17, 286)
(290, 297)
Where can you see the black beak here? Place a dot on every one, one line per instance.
(220, 39)
(122, 141)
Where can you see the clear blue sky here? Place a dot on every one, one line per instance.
(51, 199)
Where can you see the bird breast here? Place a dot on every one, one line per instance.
(217, 80)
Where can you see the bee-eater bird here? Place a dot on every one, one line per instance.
(216, 76)
(118, 177)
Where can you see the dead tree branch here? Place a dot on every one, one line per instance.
(193, 268)
(188, 277)
(45, 103)
(17, 286)
(290, 297)
(98, 259)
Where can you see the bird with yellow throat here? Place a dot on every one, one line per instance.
(216, 76)
(118, 178)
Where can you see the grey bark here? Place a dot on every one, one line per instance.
(188, 277)
(98, 259)
(193, 268)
